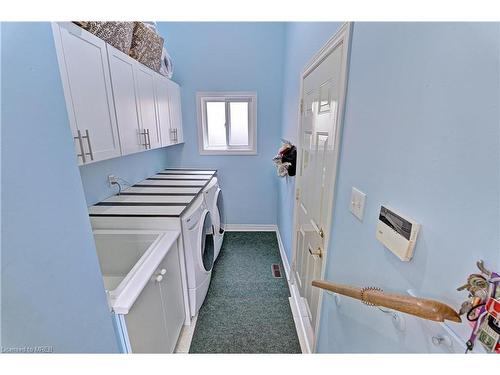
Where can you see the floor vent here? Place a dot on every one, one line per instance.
(276, 270)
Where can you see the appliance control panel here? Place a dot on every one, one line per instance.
(397, 233)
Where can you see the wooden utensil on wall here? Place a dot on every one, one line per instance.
(420, 307)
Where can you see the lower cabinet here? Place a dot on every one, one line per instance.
(155, 320)
(172, 297)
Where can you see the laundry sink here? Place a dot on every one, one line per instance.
(128, 259)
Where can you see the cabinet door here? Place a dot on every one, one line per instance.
(146, 321)
(174, 93)
(172, 297)
(163, 109)
(122, 68)
(147, 104)
(83, 64)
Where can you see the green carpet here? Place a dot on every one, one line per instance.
(246, 310)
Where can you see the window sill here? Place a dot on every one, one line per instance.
(228, 152)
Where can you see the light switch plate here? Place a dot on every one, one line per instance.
(358, 199)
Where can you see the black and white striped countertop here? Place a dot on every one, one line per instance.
(166, 194)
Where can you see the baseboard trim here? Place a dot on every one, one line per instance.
(304, 329)
(251, 227)
(284, 258)
(294, 306)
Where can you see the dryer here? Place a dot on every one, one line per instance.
(212, 194)
(197, 232)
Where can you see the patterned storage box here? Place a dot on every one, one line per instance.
(118, 34)
(146, 46)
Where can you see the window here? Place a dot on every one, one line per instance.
(227, 123)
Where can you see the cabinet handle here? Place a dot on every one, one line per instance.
(149, 139)
(145, 144)
(80, 142)
(90, 153)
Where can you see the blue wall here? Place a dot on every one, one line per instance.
(0, 183)
(428, 91)
(302, 41)
(131, 168)
(52, 291)
(232, 57)
(426, 94)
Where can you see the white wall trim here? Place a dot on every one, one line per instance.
(202, 97)
(251, 227)
(122, 334)
(305, 346)
(284, 258)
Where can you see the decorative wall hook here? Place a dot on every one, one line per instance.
(286, 159)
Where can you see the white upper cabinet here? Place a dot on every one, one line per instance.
(168, 101)
(147, 105)
(86, 81)
(116, 105)
(174, 92)
(163, 110)
(123, 81)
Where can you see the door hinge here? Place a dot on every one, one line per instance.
(301, 105)
(318, 252)
(297, 194)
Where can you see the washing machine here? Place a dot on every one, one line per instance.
(198, 235)
(215, 204)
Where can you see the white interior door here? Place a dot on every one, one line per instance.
(323, 90)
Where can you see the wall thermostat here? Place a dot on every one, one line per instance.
(397, 233)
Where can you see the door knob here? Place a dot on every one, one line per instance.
(159, 278)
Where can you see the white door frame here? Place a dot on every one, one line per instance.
(343, 35)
